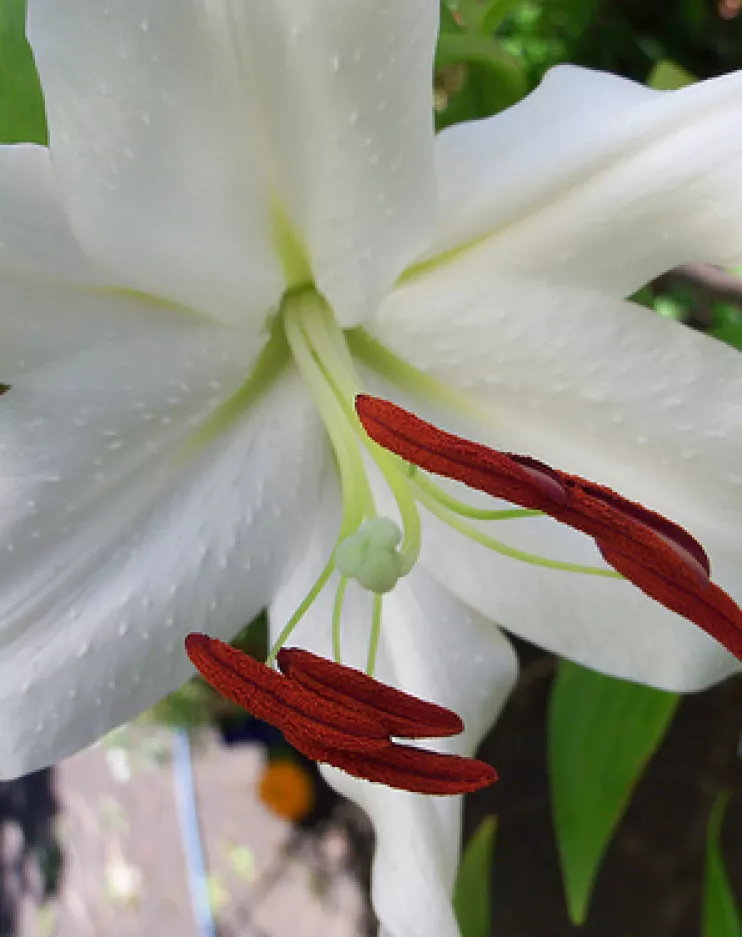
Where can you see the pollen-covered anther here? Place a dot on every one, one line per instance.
(403, 715)
(338, 715)
(371, 555)
(658, 556)
(520, 479)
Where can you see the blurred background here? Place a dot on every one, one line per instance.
(199, 821)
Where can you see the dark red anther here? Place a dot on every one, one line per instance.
(520, 479)
(403, 715)
(412, 769)
(275, 699)
(648, 549)
(340, 716)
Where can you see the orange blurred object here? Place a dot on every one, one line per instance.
(287, 789)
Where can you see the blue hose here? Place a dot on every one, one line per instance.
(190, 834)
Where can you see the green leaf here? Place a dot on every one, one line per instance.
(720, 916)
(495, 76)
(471, 896)
(602, 732)
(22, 116)
(496, 11)
(727, 326)
(669, 76)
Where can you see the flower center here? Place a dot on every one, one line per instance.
(375, 551)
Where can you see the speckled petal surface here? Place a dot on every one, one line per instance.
(121, 532)
(606, 390)
(55, 301)
(211, 131)
(156, 151)
(596, 181)
(345, 99)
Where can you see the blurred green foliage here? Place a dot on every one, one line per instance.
(22, 115)
(720, 916)
(472, 900)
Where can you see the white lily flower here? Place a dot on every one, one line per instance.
(244, 218)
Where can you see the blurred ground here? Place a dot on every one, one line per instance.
(124, 871)
(124, 867)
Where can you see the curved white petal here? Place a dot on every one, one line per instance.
(345, 98)
(53, 300)
(35, 236)
(596, 181)
(438, 648)
(604, 624)
(603, 389)
(156, 152)
(48, 321)
(121, 531)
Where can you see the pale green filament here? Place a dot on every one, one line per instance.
(428, 486)
(373, 645)
(473, 533)
(301, 611)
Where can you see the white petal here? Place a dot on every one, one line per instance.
(596, 181)
(606, 390)
(605, 624)
(48, 321)
(121, 533)
(346, 100)
(35, 236)
(54, 301)
(436, 647)
(155, 151)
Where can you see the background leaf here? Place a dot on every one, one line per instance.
(471, 899)
(669, 76)
(720, 913)
(601, 732)
(22, 116)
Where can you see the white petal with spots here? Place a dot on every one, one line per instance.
(344, 93)
(596, 181)
(121, 532)
(156, 151)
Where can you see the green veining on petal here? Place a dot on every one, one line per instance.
(405, 375)
(294, 258)
(272, 360)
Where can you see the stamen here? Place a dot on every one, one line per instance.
(443, 497)
(373, 646)
(520, 479)
(404, 715)
(412, 769)
(709, 607)
(286, 705)
(504, 549)
(339, 716)
(655, 554)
